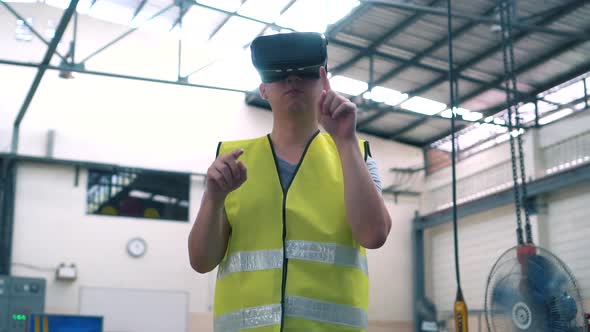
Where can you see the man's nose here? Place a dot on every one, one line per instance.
(293, 78)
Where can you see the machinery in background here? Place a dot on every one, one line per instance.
(19, 297)
(427, 316)
(22, 309)
(62, 323)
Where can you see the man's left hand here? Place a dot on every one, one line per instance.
(337, 113)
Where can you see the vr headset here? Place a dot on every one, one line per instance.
(276, 57)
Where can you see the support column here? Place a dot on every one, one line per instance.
(417, 268)
(534, 161)
(7, 200)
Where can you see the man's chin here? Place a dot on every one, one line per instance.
(296, 107)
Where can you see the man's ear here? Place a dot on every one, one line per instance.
(262, 90)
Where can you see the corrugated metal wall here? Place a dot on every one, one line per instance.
(486, 182)
(569, 232)
(482, 239)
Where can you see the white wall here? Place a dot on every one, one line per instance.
(145, 125)
(51, 226)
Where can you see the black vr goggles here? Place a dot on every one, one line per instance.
(276, 57)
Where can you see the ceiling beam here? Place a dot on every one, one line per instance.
(442, 11)
(554, 52)
(30, 27)
(396, 58)
(59, 32)
(138, 9)
(575, 72)
(409, 127)
(487, 53)
(362, 123)
(382, 39)
(580, 70)
(356, 13)
(431, 49)
(417, 58)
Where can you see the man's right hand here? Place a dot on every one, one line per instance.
(226, 174)
(208, 239)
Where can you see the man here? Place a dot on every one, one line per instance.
(287, 216)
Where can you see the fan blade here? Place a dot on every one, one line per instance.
(505, 293)
(544, 277)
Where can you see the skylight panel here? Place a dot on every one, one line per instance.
(63, 4)
(274, 31)
(385, 95)
(527, 113)
(199, 22)
(227, 5)
(264, 10)
(223, 73)
(237, 32)
(83, 7)
(555, 116)
(499, 121)
(158, 24)
(480, 133)
(465, 114)
(143, 18)
(545, 107)
(446, 146)
(347, 85)
(423, 105)
(337, 9)
(472, 116)
(472, 137)
(305, 15)
(567, 94)
(112, 12)
(446, 113)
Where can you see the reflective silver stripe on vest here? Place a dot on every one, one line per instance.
(329, 253)
(327, 312)
(251, 261)
(295, 306)
(248, 318)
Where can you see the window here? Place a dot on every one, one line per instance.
(140, 194)
(22, 31)
(50, 29)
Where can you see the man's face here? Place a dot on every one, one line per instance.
(294, 93)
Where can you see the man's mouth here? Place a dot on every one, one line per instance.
(293, 92)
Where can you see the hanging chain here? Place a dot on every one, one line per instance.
(524, 197)
(508, 79)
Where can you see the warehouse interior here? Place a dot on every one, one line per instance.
(111, 112)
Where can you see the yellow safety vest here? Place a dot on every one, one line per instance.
(292, 263)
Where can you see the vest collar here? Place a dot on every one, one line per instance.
(276, 160)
